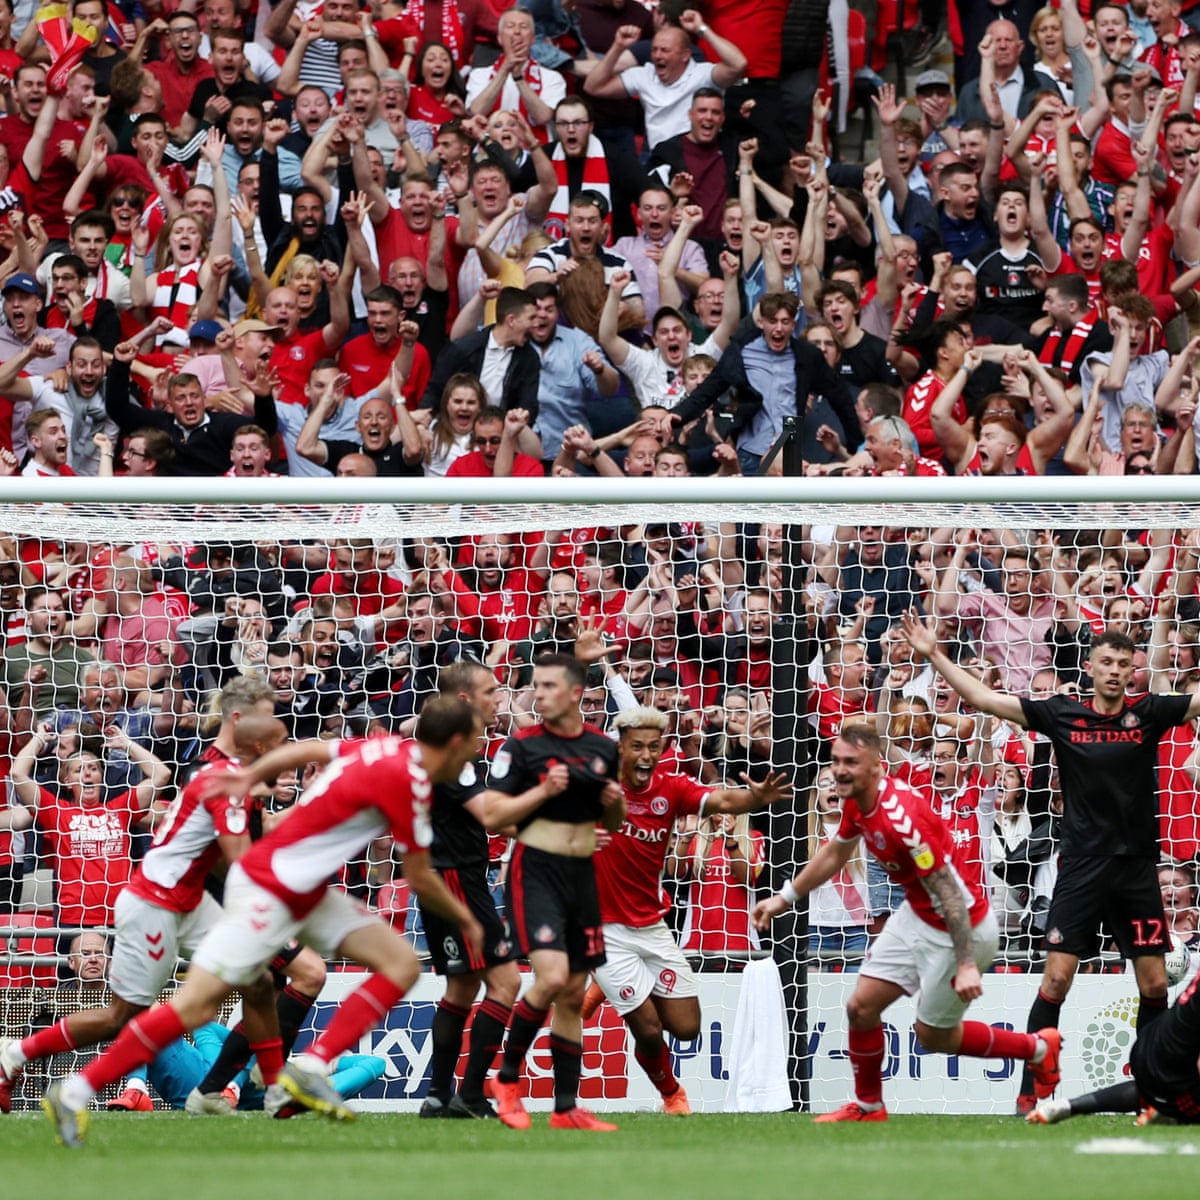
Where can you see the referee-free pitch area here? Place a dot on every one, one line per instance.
(164, 1156)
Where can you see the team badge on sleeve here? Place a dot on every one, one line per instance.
(501, 764)
(235, 820)
(923, 857)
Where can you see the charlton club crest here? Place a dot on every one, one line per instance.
(1014, 278)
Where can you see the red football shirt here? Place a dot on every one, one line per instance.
(91, 853)
(377, 787)
(910, 842)
(629, 868)
(185, 846)
(368, 366)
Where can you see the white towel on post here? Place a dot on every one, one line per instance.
(758, 1055)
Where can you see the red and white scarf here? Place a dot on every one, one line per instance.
(453, 37)
(176, 290)
(533, 77)
(595, 176)
(1073, 346)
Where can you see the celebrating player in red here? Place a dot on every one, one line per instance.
(646, 978)
(935, 944)
(279, 890)
(165, 910)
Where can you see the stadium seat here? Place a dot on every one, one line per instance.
(862, 86)
(14, 974)
(893, 19)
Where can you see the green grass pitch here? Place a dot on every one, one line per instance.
(157, 1156)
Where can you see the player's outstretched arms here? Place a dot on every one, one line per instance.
(921, 635)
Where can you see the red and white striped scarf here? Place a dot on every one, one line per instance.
(533, 76)
(595, 176)
(1079, 334)
(452, 37)
(176, 291)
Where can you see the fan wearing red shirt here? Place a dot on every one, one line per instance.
(355, 573)
(90, 837)
(367, 359)
(948, 348)
(498, 600)
(166, 910)
(279, 890)
(296, 352)
(934, 946)
(646, 978)
(497, 435)
(419, 227)
(1003, 445)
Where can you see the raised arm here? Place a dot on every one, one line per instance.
(732, 67)
(921, 635)
(952, 436)
(615, 346)
(890, 110)
(604, 81)
(1077, 455)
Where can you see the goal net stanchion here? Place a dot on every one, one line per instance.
(309, 561)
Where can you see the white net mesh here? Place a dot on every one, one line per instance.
(740, 614)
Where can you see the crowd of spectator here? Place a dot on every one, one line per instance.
(470, 239)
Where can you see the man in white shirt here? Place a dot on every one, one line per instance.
(665, 84)
(515, 82)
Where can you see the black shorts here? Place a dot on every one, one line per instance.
(450, 953)
(1119, 893)
(1164, 1059)
(553, 905)
(279, 964)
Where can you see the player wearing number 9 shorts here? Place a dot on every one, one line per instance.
(646, 977)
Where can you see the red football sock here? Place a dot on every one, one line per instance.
(866, 1059)
(137, 1044)
(270, 1058)
(55, 1040)
(986, 1041)
(360, 1011)
(658, 1069)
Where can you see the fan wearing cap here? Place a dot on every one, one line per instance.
(22, 302)
(253, 344)
(935, 99)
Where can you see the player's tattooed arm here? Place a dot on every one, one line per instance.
(947, 893)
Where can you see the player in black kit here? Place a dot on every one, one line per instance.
(1106, 746)
(1165, 1062)
(554, 782)
(460, 855)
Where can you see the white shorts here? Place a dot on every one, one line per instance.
(643, 961)
(920, 959)
(150, 940)
(257, 925)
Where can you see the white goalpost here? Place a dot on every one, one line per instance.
(759, 613)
